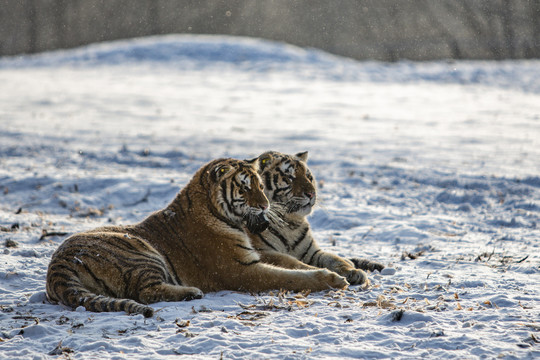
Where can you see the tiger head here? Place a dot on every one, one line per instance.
(238, 193)
(288, 181)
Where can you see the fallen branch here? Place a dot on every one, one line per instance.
(45, 233)
(412, 256)
(479, 257)
(522, 260)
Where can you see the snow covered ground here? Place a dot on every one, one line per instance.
(431, 168)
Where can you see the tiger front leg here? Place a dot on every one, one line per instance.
(283, 260)
(264, 277)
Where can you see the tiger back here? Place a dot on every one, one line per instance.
(198, 243)
(288, 241)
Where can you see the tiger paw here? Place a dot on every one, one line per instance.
(366, 264)
(192, 293)
(332, 279)
(357, 277)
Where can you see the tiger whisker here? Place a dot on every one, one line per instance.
(276, 217)
(294, 204)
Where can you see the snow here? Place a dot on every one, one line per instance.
(430, 168)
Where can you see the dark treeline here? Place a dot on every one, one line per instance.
(363, 29)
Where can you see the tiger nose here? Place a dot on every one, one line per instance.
(310, 195)
(263, 207)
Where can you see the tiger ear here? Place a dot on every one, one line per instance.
(254, 163)
(302, 156)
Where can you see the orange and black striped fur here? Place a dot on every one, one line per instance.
(198, 243)
(288, 241)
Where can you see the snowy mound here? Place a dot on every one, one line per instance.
(203, 49)
(215, 51)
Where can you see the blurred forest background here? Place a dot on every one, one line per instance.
(386, 30)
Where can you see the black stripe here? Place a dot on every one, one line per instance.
(319, 259)
(220, 217)
(248, 263)
(245, 247)
(130, 306)
(126, 277)
(92, 304)
(188, 198)
(300, 238)
(119, 242)
(119, 238)
(176, 277)
(312, 255)
(67, 287)
(144, 276)
(104, 305)
(280, 237)
(96, 279)
(61, 267)
(121, 306)
(141, 260)
(149, 285)
(275, 180)
(266, 242)
(268, 181)
(111, 305)
(223, 219)
(126, 241)
(75, 249)
(279, 190)
(225, 197)
(177, 208)
(64, 276)
(143, 244)
(232, 198)
(278, 169)
(137, 258)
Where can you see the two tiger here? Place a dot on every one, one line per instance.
(219, 233)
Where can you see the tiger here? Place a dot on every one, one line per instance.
(198, 243)
(288, 241)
